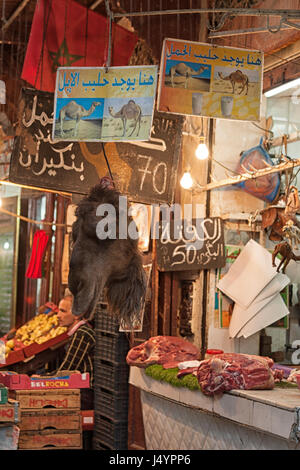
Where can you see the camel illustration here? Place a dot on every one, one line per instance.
(75, 111)
(129, 111)
(236, 77)
(185, 71)
(285, 250)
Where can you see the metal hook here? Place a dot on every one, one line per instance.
(274, 30)
(220, 25)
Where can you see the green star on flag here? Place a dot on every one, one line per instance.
(60, 27)
(63, 53)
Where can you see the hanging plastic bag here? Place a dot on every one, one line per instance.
(39, 244)
(265, 187)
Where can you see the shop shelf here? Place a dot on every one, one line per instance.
(111, 433)
(113, 377)
(111, 404)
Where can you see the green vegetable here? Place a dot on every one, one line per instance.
(157, 372)
(285, 384)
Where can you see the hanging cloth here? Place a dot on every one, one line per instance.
(39, 244)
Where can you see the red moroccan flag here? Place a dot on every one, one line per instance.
(64, 33)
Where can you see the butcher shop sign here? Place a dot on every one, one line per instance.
(186, 245)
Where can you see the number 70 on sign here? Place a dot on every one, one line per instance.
(158, 174)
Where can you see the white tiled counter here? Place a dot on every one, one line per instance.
(178, 418)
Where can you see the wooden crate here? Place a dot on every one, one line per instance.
(50, 439)
(9, 412)
(9, 436)
(48, 418)
(38, 399)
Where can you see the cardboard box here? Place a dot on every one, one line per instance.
(24, 382)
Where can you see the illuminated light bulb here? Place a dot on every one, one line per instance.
(186, 181)
(6, 246)
(0, 202)
(201, 151)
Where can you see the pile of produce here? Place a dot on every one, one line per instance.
(39, 329)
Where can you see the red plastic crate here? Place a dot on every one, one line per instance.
(87, 420)
(12, 358)
(36, 348)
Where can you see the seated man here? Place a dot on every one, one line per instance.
(80, 349)
(79, 354)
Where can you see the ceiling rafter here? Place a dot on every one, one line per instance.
(15, 14)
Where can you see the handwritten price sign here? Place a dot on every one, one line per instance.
(191, 245)
(144, 171)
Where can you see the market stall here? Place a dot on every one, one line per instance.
(156, 181)
(178, 418)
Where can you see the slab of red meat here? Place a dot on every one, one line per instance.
(165, 350)
(231, 371)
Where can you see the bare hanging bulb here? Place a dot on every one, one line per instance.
(202, 150)
(186, 181)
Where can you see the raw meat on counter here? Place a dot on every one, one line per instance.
(168, 351)
(293, 375)
(230, 371)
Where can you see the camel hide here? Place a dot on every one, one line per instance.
(276, 218)
(113, 264)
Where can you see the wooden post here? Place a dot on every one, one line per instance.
(30, 284)
(45, 288)
(59, 240)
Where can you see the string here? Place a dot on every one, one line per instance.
(37, 222)
(107, 162)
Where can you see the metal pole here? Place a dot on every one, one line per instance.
(231, 11)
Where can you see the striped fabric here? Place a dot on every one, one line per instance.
(80, 352)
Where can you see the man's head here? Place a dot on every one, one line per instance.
(65, 315)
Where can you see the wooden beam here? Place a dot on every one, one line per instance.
(95, 4)
(241, 32)
(248, 176)
(15, 14)
(293, 137)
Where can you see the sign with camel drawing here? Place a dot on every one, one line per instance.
(145, 172)
(213, 81)
(108, 105)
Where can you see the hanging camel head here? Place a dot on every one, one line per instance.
(102, 257)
